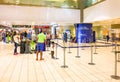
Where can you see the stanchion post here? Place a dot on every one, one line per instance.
(47, 46)
(95, 48)
(115, 75)
(115, 46)
(96, 45)
(82, 45)
(64, 58)
(56, 49)
(112, 47)
(69, 48)
(77, 51)
(118, 54)
(91, 63)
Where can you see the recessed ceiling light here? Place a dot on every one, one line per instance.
(17, 1)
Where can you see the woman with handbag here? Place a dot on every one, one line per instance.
(16, 39)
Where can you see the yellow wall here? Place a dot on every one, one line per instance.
(73, 32)
(97, 30)
(101, 32)
(105, 32)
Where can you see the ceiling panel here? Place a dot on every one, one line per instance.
(51, 3)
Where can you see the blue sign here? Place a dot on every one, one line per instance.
(83, 32)
(68, 34)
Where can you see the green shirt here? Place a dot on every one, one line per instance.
(41, 38)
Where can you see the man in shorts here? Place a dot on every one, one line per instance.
(41, 39)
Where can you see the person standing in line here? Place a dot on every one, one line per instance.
(65, 37)
(29, 35)
(107, 38)
(25, 34)
(41, 40)
(3, 36)
(48, 37)
(16, 39)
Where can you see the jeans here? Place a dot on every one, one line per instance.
(16, 45)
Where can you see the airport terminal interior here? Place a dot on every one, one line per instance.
(78, 41)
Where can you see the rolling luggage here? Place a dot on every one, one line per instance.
(22, 47)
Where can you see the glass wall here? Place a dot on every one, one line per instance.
(89, 3)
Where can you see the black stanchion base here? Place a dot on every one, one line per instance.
(69, 52)
(112, 51)
(56, 58)
(91, 63)
(118, 60)
(95, 53)
(82, 49)
(115, 77)
(77, 56)
(64, 66)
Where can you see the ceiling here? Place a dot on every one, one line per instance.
(72, 4)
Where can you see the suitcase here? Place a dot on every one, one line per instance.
(22, 47)
(27, 48)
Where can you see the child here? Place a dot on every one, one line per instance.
(52, 49)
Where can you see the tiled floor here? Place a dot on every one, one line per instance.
(24, 67)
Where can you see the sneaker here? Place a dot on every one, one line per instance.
(42, 59)
(15, 54)
(36, 59)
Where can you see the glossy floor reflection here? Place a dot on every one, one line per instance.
(24, 67)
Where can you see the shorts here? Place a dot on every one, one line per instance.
(41, 47)
(52, 52)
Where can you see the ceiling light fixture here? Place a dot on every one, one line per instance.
(17, 1)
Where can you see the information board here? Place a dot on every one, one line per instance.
(84, 32)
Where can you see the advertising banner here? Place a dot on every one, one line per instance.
(84, 32)
(68, 34)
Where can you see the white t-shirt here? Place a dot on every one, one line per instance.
(52, 48)
(16, 38)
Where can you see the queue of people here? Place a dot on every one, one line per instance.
(7, 36)
(26, 43)
(38, 44)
